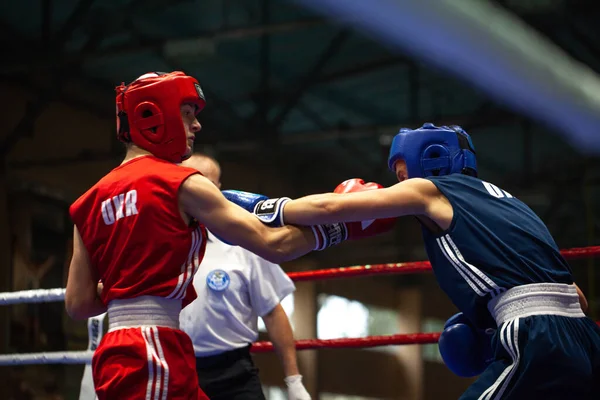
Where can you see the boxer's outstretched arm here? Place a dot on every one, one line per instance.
(81, 296)
(201, 199)
(411, 197)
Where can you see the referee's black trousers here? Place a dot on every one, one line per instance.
(231, 375)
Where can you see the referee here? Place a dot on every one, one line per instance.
(234, 288)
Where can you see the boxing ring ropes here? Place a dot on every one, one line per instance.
(83, 357)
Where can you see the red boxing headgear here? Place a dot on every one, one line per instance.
(149, 112)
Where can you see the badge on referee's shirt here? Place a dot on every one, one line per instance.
(218, 280)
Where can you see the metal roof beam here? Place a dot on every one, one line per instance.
(307, 81)
(263, 103)
(362, 69)
(25, 62)
(492, 117)
(312, 115)
(35, 108)
(75, 103)
(46, 21)
(214, 101)
(59, 39)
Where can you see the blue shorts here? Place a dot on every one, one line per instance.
(542, 357)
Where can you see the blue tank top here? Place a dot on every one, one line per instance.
(495, 242)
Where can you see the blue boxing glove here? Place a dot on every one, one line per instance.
(466, 350)
(246, 200)
(269, 211)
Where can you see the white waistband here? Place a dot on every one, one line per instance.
(536, 299)
(143, 311)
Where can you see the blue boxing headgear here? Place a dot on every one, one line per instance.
(434, 151)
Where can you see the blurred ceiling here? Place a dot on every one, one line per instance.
(289, 88)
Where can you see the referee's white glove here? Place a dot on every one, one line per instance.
(296, 390)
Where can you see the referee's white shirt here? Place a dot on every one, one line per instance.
(234, 287)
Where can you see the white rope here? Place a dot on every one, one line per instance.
(32, 296)
(59, 357)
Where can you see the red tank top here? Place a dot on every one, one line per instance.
(132, 228)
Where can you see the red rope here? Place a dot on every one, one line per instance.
(580, 252)
(353, 343)
(377, 269)
(350, 343)
(361, 270)
(409, 267)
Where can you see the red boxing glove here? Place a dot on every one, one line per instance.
(356, 185)
(328, 235)
(362, 229)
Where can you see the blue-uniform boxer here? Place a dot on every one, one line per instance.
(490, 253)
(501, 267)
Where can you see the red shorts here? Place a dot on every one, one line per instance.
(148, 363)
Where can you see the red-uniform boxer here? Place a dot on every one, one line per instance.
(130, 229)
(146, 264)
(136, 231)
